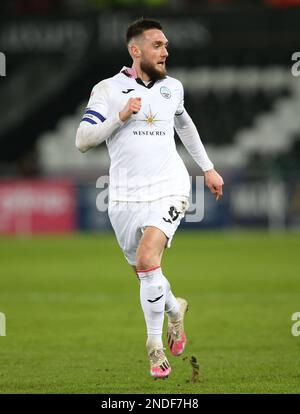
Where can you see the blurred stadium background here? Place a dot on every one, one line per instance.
(235, 60)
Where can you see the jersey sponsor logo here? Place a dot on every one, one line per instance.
(128, 90)
(150, 133)
(165, 92)
(150, 118)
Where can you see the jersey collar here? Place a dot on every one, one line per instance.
(131, 73)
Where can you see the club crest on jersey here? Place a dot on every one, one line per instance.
(165, 92)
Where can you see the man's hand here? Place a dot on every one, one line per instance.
(132, 107)
(214, 182)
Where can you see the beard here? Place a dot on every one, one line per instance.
(152, 72)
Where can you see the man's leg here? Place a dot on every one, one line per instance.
(153, 282)
(171, 306)
(153, 285)
(153, 292)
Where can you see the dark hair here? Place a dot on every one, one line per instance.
(140, 26)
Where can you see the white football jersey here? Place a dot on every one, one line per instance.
(145, 165)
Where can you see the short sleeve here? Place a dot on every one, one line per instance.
(97, 108)
(180, 108)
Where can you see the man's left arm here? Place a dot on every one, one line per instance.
(190, 138)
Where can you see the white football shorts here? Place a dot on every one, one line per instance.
(129, 220)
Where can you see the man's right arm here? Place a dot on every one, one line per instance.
(90, 135)
(94, 127)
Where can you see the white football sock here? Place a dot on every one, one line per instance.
(172, 306)
(153, 289)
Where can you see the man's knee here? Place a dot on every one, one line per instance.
(147, 260)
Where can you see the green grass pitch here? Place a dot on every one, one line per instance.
(74, 323)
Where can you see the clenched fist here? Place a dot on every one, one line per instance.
(132, 107)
